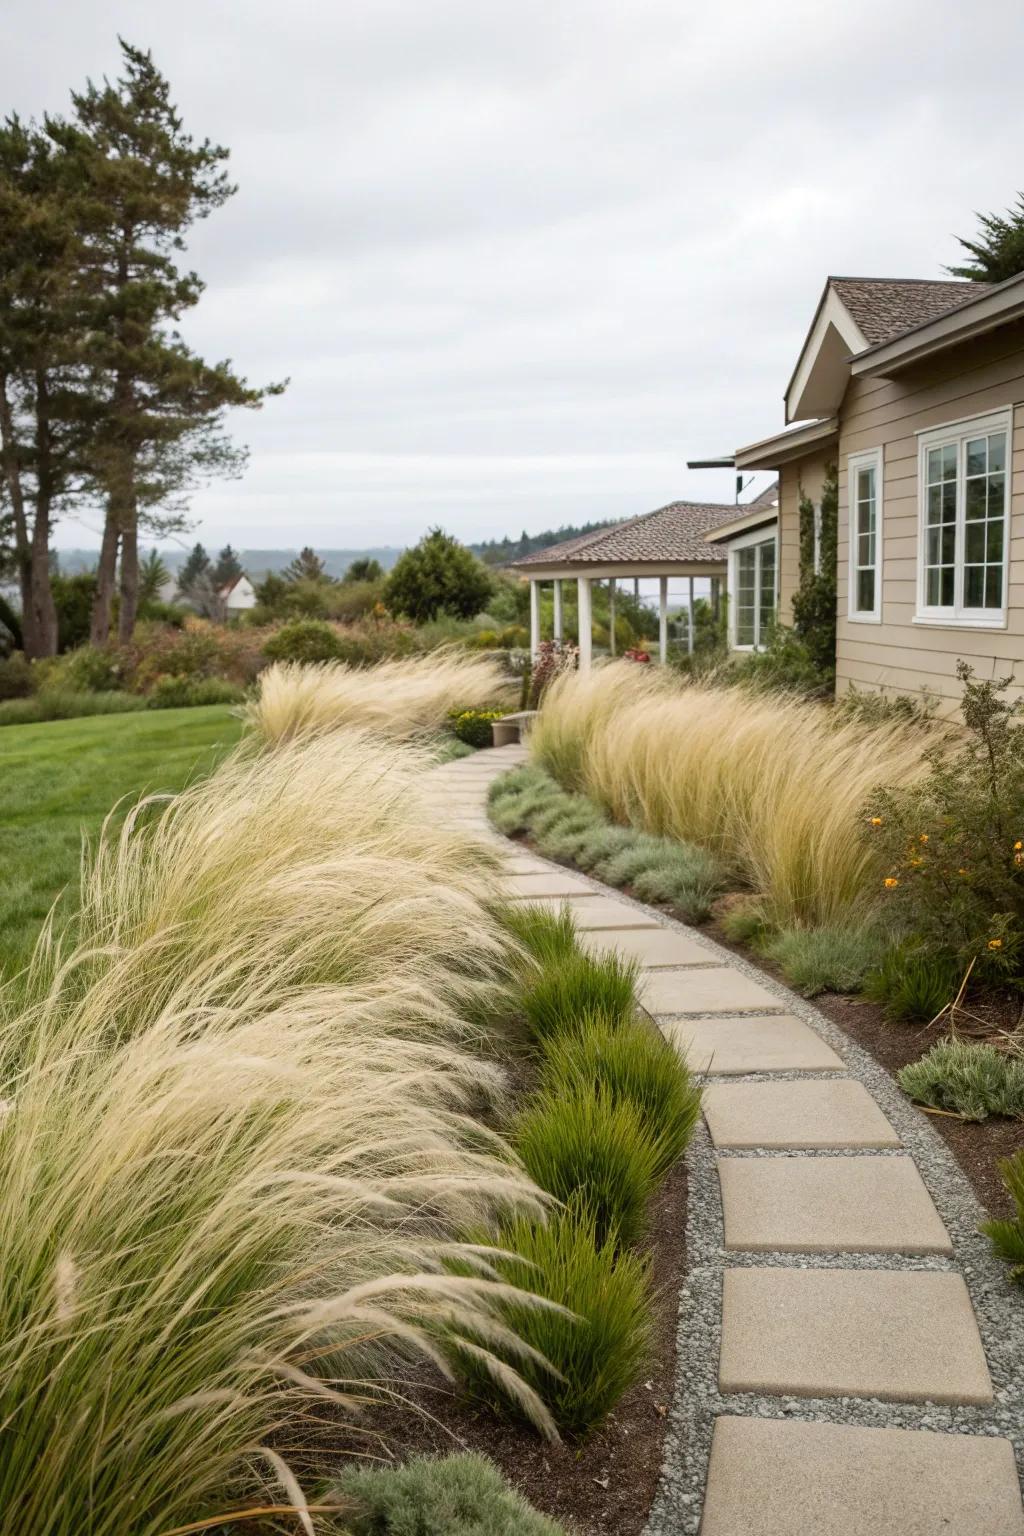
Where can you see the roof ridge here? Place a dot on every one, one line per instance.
(949, 282)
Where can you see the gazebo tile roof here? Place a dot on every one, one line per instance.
(673, 532)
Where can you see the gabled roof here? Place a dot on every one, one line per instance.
(855, 314)
(884, 307)
(671, 533)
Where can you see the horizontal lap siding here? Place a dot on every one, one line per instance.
(898, 655)
(808, 473)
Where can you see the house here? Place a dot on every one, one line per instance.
(238, 596)
(666, 543)
(750, 542)
(909, 388)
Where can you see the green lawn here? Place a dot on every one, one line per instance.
(59, 779)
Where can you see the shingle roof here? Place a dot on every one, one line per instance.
(885, 307)
(675, 532)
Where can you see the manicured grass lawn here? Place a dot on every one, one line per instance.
(59, 779)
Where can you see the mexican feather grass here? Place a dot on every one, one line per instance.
(236, 1145)
(401, 699)
(772, 785)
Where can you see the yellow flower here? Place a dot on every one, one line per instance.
(876, 821)
(890, 882)
(915, 863)
(923, 838)
(1017, 847)
(995, 943)
(961, 871)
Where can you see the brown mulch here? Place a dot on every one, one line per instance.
(597, 1486)
(977, 1146)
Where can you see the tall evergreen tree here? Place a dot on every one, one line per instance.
(228, 567)
(44, 397)
(152, 576)
(997, 251)
(141, 182)
(307, 566)
(197, 564)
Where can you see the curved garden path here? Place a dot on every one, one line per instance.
(851, 1356)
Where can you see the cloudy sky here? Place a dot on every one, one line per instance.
(520, 260)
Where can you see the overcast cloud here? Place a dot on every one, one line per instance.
(520, 260)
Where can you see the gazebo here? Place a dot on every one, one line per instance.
(669, 542)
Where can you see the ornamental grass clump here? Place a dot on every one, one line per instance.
(237, 1147)
(969, 1079)
(1007, 1233)
(598, 1345)
(597, 1145)
(584, 985)
(773, 787)
(631, 1064)
(401, 699)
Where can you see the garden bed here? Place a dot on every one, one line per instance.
(605, 1483)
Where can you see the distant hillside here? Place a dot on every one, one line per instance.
(256, 562)
(504, 551)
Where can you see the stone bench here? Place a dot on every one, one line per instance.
(510, 728)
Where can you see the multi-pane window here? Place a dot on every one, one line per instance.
(864, 482)
(754, 591)
(964, 512)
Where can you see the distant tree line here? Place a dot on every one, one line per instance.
(102, 404)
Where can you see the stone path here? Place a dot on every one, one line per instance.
(832, 1375)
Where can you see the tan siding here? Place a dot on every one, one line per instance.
(898, 654)
(807, 474)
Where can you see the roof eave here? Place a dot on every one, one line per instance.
(819, 379)
(998, 306)
(764, 517)
(794, 443)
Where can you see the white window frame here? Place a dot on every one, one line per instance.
(769, 535)
(871, 458)
(959, 432)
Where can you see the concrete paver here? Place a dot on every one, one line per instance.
(900, 1335)
(771, 1043)
(828, 1205)
(548, 883)
(600, 912)
(836, 1113)
(774, 1477)
(721, 988)
(651, 946)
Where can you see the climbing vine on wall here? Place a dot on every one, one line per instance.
(814, 602)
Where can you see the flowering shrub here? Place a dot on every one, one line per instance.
(953, 844)
(636, 654)
(473, 726)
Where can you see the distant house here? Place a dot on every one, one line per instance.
(910, 388)
(238, 596)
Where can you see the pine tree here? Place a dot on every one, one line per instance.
(307, 566)
(197, 564)
(997, 252)
(141, 182)
(44, 397)
(227, 569)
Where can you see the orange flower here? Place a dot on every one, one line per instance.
(923, 838)
(995, 943)
(876, 821)
(1017, 847)
(891, 882)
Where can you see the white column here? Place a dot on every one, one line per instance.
(585, 620)
(689, 622)
(611, 616)
(534, 618)
(663, 619)
(558, 609)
